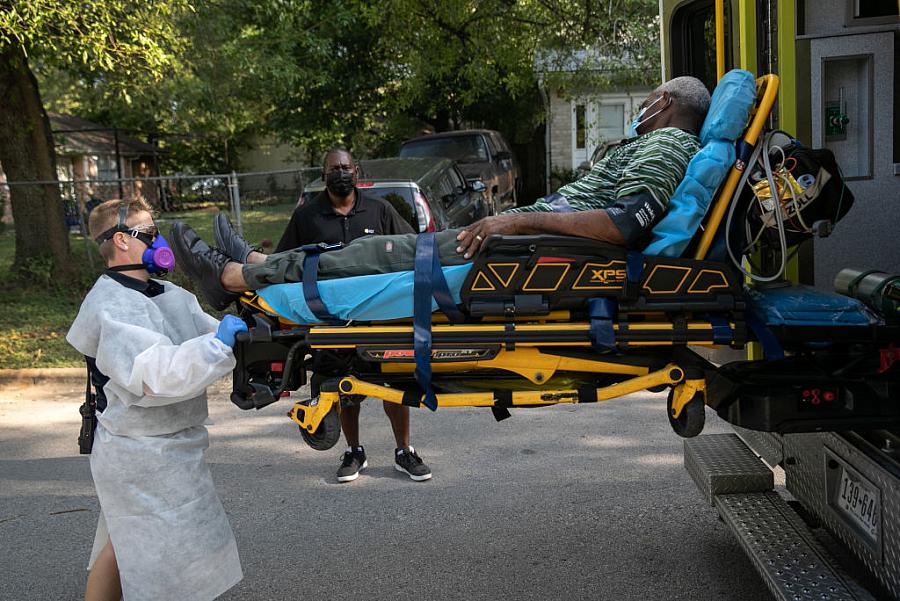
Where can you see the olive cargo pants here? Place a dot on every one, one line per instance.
(363, 256)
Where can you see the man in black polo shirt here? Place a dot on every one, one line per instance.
(341, 213)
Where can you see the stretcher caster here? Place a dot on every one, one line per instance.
(691, 418)
(326, 435)
(320, 425)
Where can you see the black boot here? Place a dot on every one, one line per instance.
(202, 264)
(229, 241)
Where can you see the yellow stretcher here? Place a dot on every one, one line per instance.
(535, 309)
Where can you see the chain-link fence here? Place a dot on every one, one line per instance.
(175, 192)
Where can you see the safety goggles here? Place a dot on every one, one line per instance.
(150, 229)
(145, 232)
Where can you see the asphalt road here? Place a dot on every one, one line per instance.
(566, 502)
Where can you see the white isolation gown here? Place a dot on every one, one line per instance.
(167, 525)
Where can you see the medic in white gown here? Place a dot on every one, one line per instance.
(159, 509)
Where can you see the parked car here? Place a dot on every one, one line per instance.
(481, 154)
(207, 185)
(429, 192)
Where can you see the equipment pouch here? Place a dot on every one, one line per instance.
(88, 411)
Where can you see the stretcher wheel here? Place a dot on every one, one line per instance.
(692, 418)
(326, 435)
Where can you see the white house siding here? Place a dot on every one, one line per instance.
(606, 118)
(266, 154)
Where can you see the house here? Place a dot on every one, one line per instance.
(97, 162)
(580, 115)
(266, 154)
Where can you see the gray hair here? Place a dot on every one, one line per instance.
(689, 92)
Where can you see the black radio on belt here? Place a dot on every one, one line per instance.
(88, 411)
(92, 404)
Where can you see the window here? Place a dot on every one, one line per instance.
(455, 179)
(465, 149)
(896, 103)
(442, 187)
(106, 167)
(402, 201)
(580, 126)
(610, 122)
(491, 146)
(868, 9)
(497, 140)
(694, 41)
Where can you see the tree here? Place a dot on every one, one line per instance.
(307, 71)
(484, 62)
(366, 74)
(113, 36)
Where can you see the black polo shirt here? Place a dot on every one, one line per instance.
(148, 288)
(317, 221)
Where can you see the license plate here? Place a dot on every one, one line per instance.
(857, 500)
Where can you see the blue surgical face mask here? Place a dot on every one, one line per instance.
(639, 119)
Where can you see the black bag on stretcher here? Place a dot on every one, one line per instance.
(813, 195)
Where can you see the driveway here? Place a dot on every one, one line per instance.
(566, 502)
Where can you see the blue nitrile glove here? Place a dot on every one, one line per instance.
(228, 327)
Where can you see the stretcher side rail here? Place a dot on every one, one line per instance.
(538, 274)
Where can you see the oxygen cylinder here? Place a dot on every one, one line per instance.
(877, 289)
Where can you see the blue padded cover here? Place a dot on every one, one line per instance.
(361, 298)
(728, 114)
(799, 305)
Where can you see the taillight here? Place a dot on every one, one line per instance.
(364, 184)
(423, 212)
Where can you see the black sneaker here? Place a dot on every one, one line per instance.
(353, 461)
(409, 462)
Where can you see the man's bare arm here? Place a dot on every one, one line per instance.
(594, 224)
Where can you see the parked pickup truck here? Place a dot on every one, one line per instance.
(481, 154)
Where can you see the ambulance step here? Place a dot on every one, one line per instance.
(721, 463)
(792, 563)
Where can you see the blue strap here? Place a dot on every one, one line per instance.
(721, 331)
(771, 347)
(603, 312)
(441, 291)
(310, 285)
(742, 151)
(422, 293)
(634, 266)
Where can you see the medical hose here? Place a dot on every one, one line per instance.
(763, 148)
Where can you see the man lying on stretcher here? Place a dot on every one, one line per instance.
(619, 201)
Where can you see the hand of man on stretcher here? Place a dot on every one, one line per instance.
(594, 224)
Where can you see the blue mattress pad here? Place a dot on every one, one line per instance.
(799, 305)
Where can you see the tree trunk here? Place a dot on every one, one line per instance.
(7, 218)
(441, 121)
(27, 154)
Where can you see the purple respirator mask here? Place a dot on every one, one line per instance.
(158, 258)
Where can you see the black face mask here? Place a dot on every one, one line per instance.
(340, 183)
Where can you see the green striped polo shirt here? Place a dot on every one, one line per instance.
(654, 163)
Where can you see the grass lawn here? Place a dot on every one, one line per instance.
(34, 321)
